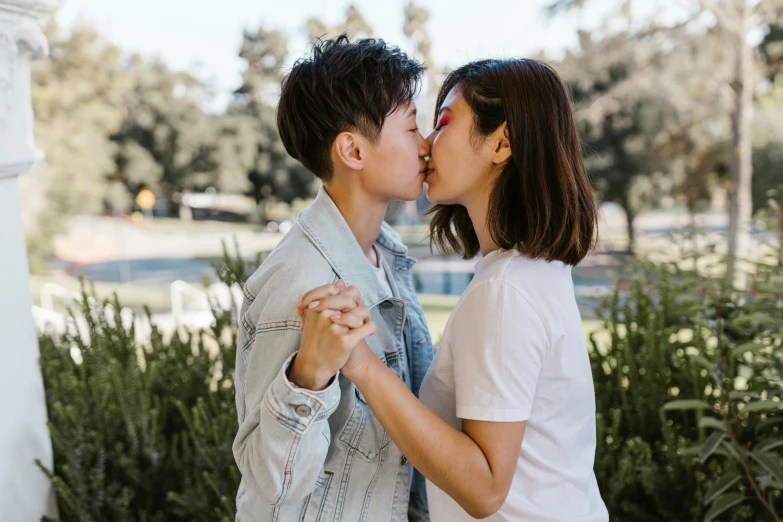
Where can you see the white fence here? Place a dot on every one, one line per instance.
(190, 308)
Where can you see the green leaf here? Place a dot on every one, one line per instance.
(691, 451)
(721, 485)
(731, 448)
(768, 445)
(723, 503)
(752, 347)
(709, 446)
(714, 423)
(686, 404)
(738, 395)
(754, 318)
(768, 463)
(764, 405)
(702, 361)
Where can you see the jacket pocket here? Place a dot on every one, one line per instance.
(363, 432)
(314, 507)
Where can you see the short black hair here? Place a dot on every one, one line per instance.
(343, 86)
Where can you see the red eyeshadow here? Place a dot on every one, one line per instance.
(443, 120)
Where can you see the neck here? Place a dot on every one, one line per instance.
(477, 208)
(363, 213)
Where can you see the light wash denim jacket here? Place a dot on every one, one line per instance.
(323, 456)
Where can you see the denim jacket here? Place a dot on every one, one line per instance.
(309, 456)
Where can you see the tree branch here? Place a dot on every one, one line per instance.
(749, 474)
(725, 18)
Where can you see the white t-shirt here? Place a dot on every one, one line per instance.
(514, 350)
(380, 273)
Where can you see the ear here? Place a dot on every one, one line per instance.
(501, 144)
(347, 147)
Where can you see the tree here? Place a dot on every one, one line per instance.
(641, 145)
(76, 96)
(166, 141)
(249, 140)
(625, 160)
(354, 25)
(415, 29)
(726, 28)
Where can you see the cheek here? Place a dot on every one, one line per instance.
(402, 151)
(455, 162)
(448, 153)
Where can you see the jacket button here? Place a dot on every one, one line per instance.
(303, 410)
(387, 305)
(403, 460)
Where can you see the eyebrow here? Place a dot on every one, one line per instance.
(411, 112)
(444, 109)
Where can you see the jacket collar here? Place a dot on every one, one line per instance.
(327, 229)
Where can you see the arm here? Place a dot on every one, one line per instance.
(474, 466)
(284, 437)
(282, 442)
(498, 344)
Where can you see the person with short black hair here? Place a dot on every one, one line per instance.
(308, 446)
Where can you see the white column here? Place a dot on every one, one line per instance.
(25, 493)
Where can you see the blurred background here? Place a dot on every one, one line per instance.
(165, 183)
(157, 121)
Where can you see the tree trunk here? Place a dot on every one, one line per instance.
(740, 211)
(780, 229)
(630, 216)
(185, 212)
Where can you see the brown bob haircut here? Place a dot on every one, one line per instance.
(542, 203)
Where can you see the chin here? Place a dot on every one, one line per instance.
(432, 194)
(439, 199)
(414, 192)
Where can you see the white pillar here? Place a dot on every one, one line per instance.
(25, 493)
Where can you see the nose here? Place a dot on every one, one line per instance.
(424, 147)
(431, 137)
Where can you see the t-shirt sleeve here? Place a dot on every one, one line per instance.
(498, 344)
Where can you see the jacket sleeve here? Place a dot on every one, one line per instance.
(284, 435)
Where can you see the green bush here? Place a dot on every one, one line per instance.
(143, 433)
(688, 385)
(688, 391)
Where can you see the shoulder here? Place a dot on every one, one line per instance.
(508, 291)
(292, 269)
(494, 296)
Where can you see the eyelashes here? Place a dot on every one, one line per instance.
(444, 120)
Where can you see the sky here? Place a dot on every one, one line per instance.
(204, 37)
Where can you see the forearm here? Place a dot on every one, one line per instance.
(284, 436)
(449, 458)
(306, 373)
(281, 454)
